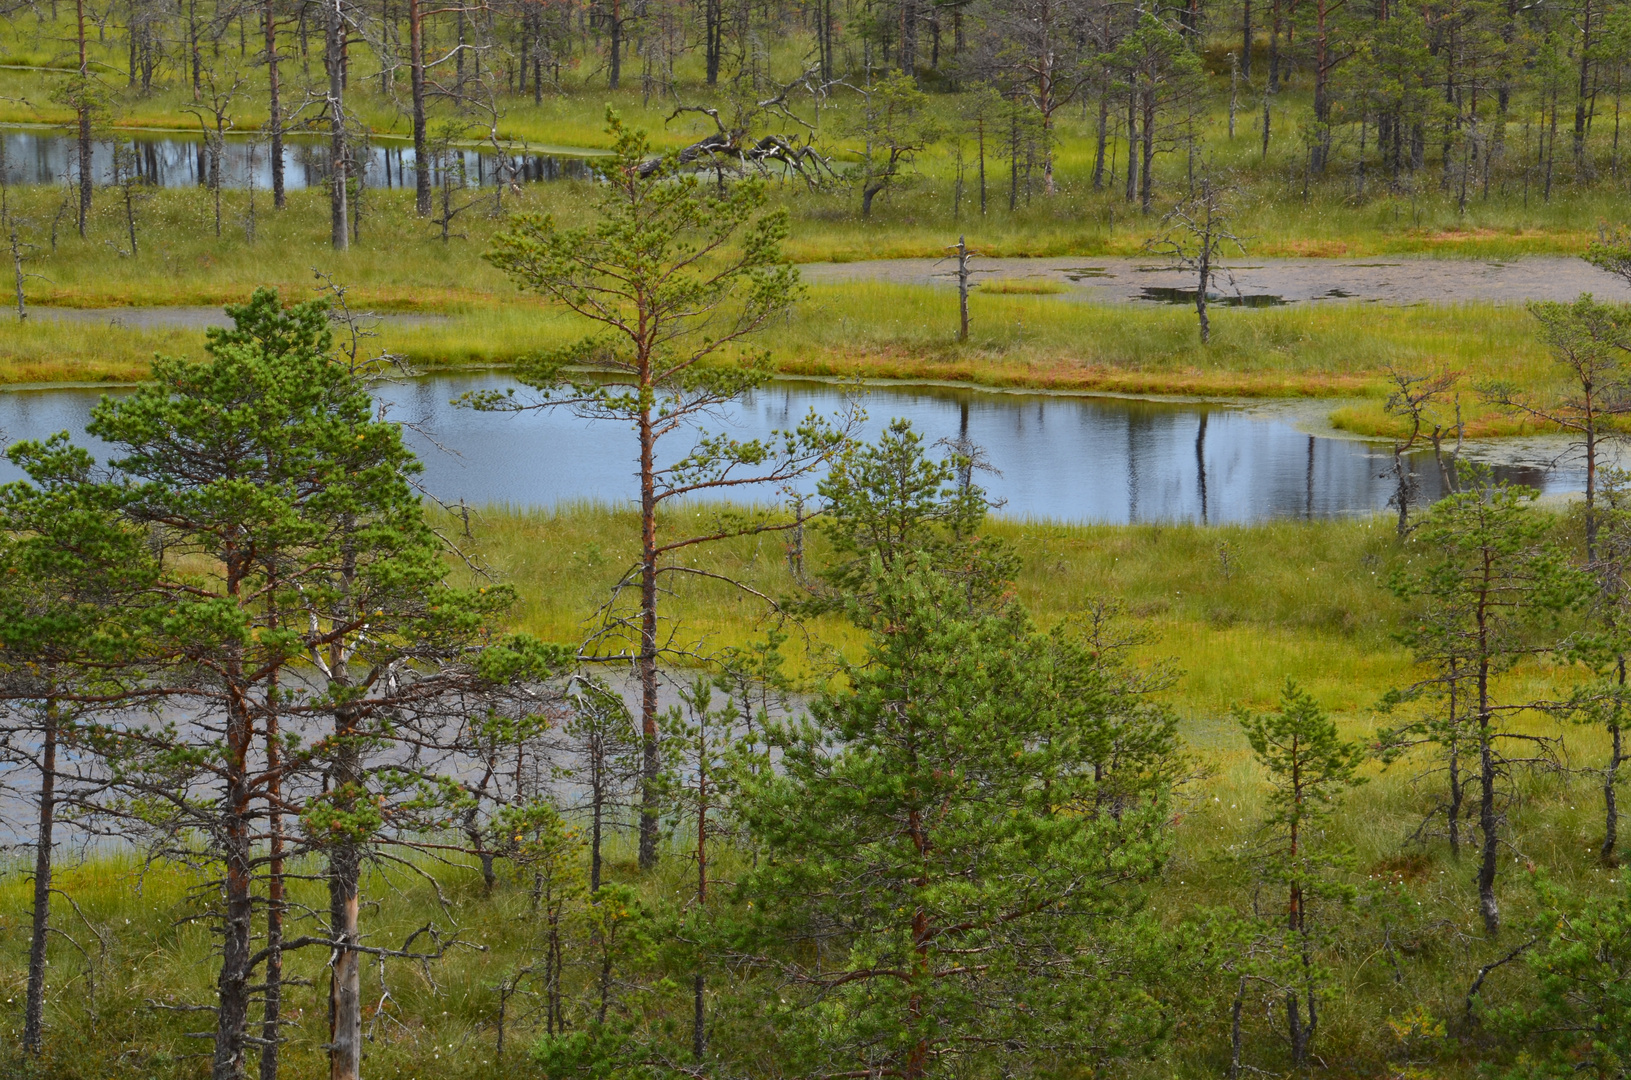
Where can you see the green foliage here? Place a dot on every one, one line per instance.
(266, 460)
(1486, 590)
(938, 826)
(1308, 766)
(894, 125)
(1485, 578)
(71, 570)
(891, 504)
(290, 578)
(673, 273)
(1580, 1023)
(609, 1040)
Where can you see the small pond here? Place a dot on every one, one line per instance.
(1056, 457)
(175, 159)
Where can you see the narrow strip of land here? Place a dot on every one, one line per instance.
(181, 316)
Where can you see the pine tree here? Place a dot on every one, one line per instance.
(671, 279)
(299, 587)
(1309, 768)
(1484, 582)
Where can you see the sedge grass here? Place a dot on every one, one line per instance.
(1239, 608)
(1022, 336)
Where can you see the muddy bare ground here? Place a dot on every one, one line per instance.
(1248, 282)
(1260, 282)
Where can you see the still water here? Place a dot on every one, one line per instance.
(51, 156)
(1076, 459)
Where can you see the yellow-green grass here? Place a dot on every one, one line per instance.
(1020, 337)
(901, 332)
(399, 260)
(107, 1018)
(1021, 287)
(881, 330)
(1239, 607)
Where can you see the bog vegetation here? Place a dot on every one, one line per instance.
(312, 778)
(306, 772)
(1035, 128)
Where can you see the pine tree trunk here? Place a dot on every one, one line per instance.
(339, 225)
(1487, 822)
(232, 986)
(416, 65)
(271, 1015)
(192, 47)
(1611, 777)
(1100, 138)
(274, 122)
(1586, 57)
(82, 108)
(908, 37)
(34, 1010)
(648, 644)
(597, 812)
(1591, 483)
(1234, 1027)
(1455, 781)
(1246, 38)
(1132, 146)
(345, 974)
(1204, 280)
(714, 31)
(1147, 180)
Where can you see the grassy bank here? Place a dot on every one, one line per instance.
(1037, 339)
(398, 260)
(888, 331)
(1239, 608)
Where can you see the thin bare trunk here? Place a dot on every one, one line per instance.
(339, 224)
(232, 987)
(34, 1011)
(345, 972)
(273, 1003)
(82, 108)
(274, 121)
(416, 65)
(648, 643)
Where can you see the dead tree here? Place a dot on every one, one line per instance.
(1198, 230)
(964, 273)
(732, 148)
(1412, 399)
(1590, 342)
(19, 249)
(213, 111)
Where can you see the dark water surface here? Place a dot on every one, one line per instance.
(1063, 458)
(50, 156)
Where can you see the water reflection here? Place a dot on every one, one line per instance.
(1053, 457)
(34, 156)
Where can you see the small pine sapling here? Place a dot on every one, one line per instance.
(1309, 768)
